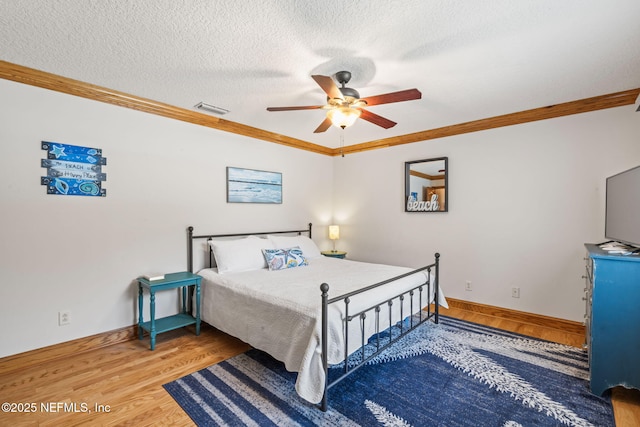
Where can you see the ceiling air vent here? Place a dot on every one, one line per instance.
(211, 108)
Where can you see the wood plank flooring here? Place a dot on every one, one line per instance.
(122, 384)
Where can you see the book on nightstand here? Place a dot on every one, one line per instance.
(153, 277)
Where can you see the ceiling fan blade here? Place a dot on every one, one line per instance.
(376, 119)
(326, 124)
(307, 107)
(387, 98)
(328, 86)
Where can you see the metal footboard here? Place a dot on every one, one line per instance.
(379, 343)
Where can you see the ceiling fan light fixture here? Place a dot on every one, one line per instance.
(343, 117)
(344, 105)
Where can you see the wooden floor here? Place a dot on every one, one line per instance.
(122, 384)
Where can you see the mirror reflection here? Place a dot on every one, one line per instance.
(426, 184)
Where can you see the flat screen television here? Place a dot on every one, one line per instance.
(622, 219)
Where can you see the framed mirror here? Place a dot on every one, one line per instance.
(426, 185)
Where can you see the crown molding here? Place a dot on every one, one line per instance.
(33, 77)
(30, 76)
(611, 100)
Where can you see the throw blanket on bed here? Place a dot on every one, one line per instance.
(279, 311)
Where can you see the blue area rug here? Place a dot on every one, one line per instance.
(451, 374)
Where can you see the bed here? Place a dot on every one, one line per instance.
(276, 292)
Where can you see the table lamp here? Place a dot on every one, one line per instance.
(334, 234)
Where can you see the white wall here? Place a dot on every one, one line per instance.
(83, 254)
(522, 202)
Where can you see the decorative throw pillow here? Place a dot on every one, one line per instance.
(279, 259)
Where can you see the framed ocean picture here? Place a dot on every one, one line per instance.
(253, 186)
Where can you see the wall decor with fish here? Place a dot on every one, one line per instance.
(73, 170)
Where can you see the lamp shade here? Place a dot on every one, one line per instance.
(334, 232)
(343, 117)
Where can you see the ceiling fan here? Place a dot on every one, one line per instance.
(344, 104)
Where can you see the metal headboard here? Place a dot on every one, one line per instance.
(191, 237)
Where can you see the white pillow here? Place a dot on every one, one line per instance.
(240, 254)
(308, 246)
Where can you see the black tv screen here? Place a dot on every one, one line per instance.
(622, 222)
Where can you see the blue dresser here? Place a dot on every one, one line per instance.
(612, 319)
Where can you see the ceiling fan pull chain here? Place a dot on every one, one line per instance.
(342, 143)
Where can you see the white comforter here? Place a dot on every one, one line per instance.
(279, 311)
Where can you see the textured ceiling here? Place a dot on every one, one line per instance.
(471, 59)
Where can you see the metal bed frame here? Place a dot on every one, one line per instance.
(191, 238)
(377, 342)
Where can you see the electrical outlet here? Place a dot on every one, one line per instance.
(468, 285)
(515, 292)
(64, 318)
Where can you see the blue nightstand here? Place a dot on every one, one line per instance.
(171, 281)
(334, 254)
